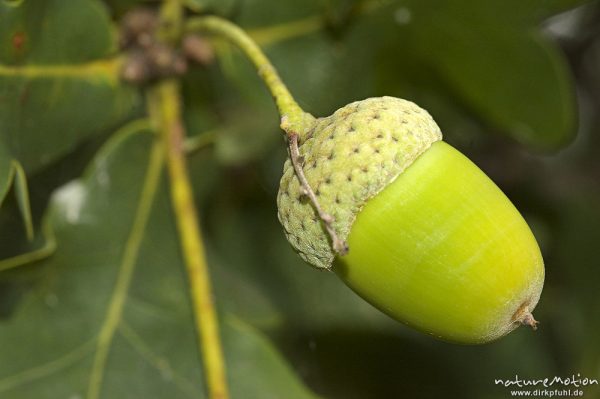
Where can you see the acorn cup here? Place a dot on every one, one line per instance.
(409, 223)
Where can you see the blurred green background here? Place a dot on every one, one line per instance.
(513, 84)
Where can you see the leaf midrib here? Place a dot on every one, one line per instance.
(108, 68)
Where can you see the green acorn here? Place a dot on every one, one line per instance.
(409, 223)
(372, 193)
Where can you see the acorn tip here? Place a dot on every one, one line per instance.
(525, 317)
(528, 320)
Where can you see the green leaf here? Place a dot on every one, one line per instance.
(257, 370)
(111, 315)
(58, 79)
(502, 68)
(51, 33)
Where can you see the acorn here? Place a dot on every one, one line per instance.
(373, 194)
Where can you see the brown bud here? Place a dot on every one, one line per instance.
(198, 49)
(138, 28)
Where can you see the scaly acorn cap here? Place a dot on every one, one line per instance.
(348, 158)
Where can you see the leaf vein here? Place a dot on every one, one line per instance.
(54, 366)
(126, 269)
(156, 361)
